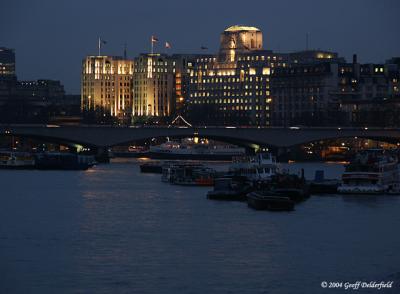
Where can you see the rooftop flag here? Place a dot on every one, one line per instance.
(100, 43)
(154, 39)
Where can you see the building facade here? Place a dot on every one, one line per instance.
(106, 87)
(7, 63)
(369, 94)
(8, 77)
(181, 72)
(302, 94)
(314, 56)
(153, 84)
(333, 92)
(233, 87)
(33, 101)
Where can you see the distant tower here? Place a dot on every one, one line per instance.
(239, 39)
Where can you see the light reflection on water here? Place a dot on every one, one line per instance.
(114, 230)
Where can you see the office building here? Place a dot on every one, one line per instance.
(8, 77)
(302, 94)
(153, 85)
(314, 56)
(33, 101)
(7, 63)
(369, 94)
(106, 87)
(233, 87)
(334, 93)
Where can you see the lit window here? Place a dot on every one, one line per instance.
(266, 71)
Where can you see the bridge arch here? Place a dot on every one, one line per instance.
(106, 136)
(385, 139)
(230, 140)
(52, 140)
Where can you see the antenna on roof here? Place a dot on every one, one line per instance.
(307, 41)
(125, 55)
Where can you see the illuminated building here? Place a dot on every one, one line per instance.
(181, 69)
(160, 84)
(335, 93)
(153, 81)
(238, 40)
(106, 87)
(302, 94)
(33, 101)
(314, 56)
(302, 90)
(238, 85)
(8, 78)
(369, 94)
(7, 63)
(233, 87)
(43, 92)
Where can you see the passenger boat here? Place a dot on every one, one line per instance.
(371, 172)
(188, 174)
(130, 152)
(63, 161)
(16, 160)
(260, 167)
(188, 149)
(230, 188)
(169, 170)
(267, 200)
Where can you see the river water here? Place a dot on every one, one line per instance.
(112, 229)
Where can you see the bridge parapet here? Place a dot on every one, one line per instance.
(106, 136)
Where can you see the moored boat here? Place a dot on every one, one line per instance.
(290, 185)
(189, 150)
(188, 174)
(371, 172)
(267, 200)
(320, 185)
(260, 167)
(63, 161)
(230, 188)
(130, 152)
(16, 160)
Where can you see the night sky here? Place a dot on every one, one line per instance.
(51, 37)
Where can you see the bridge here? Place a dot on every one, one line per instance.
(100, 137)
